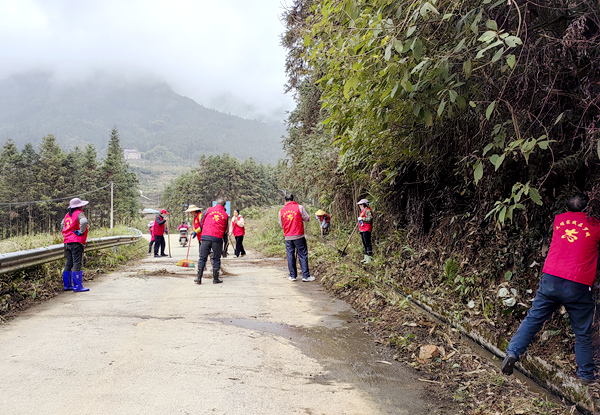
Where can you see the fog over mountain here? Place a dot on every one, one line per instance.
(146, 111)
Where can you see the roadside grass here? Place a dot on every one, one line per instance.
(21, 289)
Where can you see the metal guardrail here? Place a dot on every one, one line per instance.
(14, 261)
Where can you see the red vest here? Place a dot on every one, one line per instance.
(215, 222)
(237, 230)
(196, 225)
(158, 230)
(573, 251)
(363, 226)
(291, 219)
(72, 225)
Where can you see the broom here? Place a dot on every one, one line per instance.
(186, 263)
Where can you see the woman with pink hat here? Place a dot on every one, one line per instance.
(75, 231)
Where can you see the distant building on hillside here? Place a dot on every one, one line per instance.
(132, 154)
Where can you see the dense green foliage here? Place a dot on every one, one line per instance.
(148, 112)
(437, 109)
(35, 187)
(244, 184)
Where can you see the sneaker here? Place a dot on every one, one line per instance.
(292, 279)
(156, 256)
(309, 279)
(508, 364)
(164, 255)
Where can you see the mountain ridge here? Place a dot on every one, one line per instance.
(147, 113)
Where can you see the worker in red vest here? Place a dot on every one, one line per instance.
(324, 221)
(159, 233)
(238, 230)
(75, 231)
(568, 275)
(291, 219)
(365, 226)
(214, 229)
(196, 229)
(151, 230)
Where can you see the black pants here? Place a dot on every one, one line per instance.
(366, 240)
(159, 243)
(205, 248)
(150, 246)
(74, 255)
(239, 247)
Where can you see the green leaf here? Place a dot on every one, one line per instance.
(453, 94)
(472, 104)
(398, 46)
(513, 41)
(388, 52)
(350, 83)
(489, 110)
(468, 67)
(535, 196)
(447, 16)
(478, 171)
(497, 160)
(498, 55)
(492, 25)
(510, 61)
(417, 48)
(502, 215)
(440, 110)
(410, 31)
(487, 148)
(508, 275)
(487, 36)
(417, 109)
(428, 118)
(462, 104)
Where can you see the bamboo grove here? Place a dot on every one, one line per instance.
(35, 186)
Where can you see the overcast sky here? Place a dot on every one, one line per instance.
(225, 54)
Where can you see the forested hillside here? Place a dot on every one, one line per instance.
(465, 123)
(148, 114)
(37, 184)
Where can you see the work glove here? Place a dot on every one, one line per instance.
(193, 235)
(77, 232)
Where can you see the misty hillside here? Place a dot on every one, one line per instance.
(147, 114)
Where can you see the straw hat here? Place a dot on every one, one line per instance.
(193, 208)
(77, 202)
(320, 212)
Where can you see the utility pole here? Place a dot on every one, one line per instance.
(111, 204)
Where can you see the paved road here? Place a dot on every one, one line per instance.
(147, 340)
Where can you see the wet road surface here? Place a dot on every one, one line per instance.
(147, 340)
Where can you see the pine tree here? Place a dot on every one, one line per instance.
(115, 168)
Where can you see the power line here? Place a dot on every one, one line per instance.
(53, 200)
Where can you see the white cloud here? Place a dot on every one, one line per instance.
(204, 48)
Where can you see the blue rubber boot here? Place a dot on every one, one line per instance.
(67, 281)
(77, 282)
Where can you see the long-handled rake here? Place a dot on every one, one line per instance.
(343, 252)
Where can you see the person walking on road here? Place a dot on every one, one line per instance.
(159, 233)
(75, 230)
(365, 226)
(214, 229)
(151, 229)
(324, 221)
(238, 230)
(567, 277)
(291, 219)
